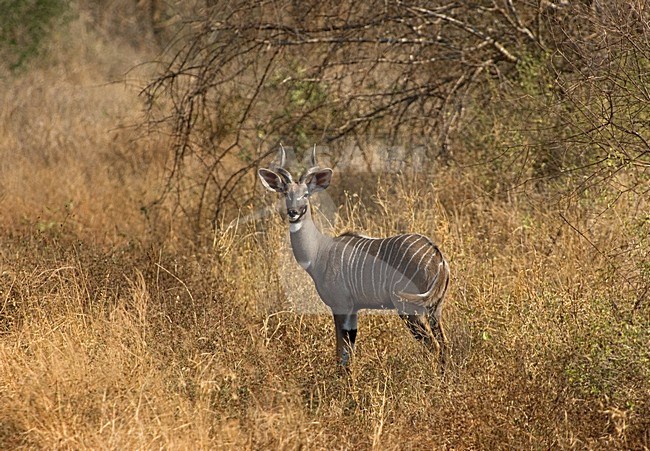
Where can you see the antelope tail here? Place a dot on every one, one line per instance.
(419, 297)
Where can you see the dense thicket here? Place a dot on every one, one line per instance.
(537, 88)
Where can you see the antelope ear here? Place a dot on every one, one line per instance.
(319, 180)
(272, 181)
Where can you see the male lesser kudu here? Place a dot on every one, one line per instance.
(352, 272)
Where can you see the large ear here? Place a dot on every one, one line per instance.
(272, 181)
(319, 180)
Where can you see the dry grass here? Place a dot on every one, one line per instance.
(117, 333)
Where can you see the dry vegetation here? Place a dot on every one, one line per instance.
(121, 329)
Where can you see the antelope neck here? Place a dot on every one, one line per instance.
(307, 241)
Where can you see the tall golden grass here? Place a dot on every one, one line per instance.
(117, 330)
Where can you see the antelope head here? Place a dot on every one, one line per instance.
(296, 194)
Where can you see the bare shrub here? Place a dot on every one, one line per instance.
(249, 74)
(575, 128)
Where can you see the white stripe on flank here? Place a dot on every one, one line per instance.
(374, 262)
(352, 267)
(383, 264)
(363, 267)
(384, 278)
(433, 254)
(343, 254)
(418, 267)
(357, 265)
(398, 267)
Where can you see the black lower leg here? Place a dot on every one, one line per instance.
(349, 337)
